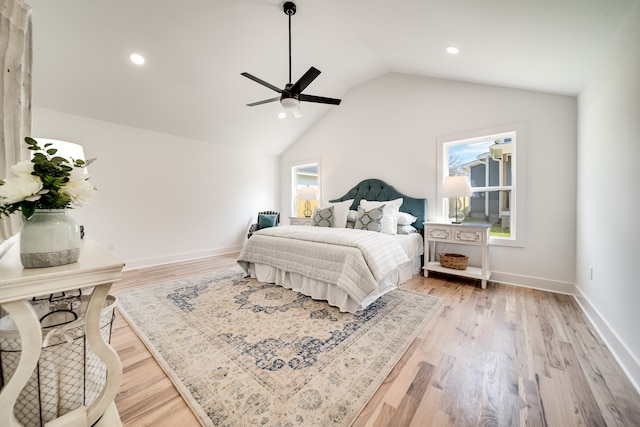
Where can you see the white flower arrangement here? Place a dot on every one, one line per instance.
(45, 182)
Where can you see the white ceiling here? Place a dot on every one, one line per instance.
(195, 51)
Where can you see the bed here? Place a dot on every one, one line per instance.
(341, 264)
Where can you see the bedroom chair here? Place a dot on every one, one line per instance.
(267, 221)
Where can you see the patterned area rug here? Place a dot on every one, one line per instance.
(246, 353)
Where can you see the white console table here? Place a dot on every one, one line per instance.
(97, 268)
(460, 234)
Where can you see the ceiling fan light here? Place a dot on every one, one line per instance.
(289, 103)
(453, 50)
(136, 58)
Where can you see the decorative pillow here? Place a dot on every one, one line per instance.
(391, 209)
(369, 219)
(267, 220)
(340, 213)
(322, 217)
(406, 218)
(406, 229)
(351, 224)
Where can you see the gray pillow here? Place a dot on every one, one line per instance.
(369, 220)
(322, 217)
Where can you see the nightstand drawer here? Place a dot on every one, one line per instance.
(439, 233)
(294, 220)
(469, 236)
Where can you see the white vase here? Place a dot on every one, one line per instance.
(49, 238)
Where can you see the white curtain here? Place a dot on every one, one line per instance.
(15, 94)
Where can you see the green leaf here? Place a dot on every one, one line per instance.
(39, 157)
(28, 209)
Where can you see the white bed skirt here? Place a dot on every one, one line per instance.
(334, 295)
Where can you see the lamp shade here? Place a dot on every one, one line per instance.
(456, 186)
(307, 193)
(66, 150)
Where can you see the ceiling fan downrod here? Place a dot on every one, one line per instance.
(289, 8)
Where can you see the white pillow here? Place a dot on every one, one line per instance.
(340, 213)
(352, 216)
(390, 211)
(406, 218)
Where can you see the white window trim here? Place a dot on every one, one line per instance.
(517, 180)
(292, 178)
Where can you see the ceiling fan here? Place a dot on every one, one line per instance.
(292, 94)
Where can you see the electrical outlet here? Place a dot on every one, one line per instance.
(111, 246)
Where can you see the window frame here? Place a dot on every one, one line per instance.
(517, 187)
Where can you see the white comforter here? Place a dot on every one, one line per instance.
(353, 260)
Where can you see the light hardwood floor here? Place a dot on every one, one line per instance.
(504, 356)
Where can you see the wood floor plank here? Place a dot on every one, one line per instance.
(584, 400)
(410, 402)
(559, 408)
(503, 356)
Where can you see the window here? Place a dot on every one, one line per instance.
(490, 163)
(306, 188)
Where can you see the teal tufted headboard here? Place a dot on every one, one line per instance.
(378, 190)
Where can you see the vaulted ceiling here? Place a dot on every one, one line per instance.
(195, 50)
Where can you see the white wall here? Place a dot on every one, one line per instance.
(387, 128)
(163, 198)
(608, 229)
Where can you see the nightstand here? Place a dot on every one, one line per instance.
(296, 220)
(459, 234)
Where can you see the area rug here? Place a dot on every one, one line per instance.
(247, 353)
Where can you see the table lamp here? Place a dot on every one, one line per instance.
(456, 186)
(307, 193)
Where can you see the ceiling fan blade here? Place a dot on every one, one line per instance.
(262, 82)
(320, 99)
(305, 80)
(265, 101)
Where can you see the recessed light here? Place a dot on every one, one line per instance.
(453, 50)
(282, 115)
(136, 58)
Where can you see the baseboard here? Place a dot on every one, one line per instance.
(625, 358)
(534, 283)
(169, 259)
